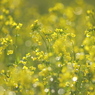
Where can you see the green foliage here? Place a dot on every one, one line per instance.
(49, 53)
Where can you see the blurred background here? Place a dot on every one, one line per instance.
(23, 10)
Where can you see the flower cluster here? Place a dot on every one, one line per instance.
(53, 55)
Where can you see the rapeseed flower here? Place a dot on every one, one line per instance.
(53, 55)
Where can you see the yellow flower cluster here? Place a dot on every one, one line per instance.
(53, 55)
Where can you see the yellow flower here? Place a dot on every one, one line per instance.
(25, 68)
(9, 52)
(1, 17)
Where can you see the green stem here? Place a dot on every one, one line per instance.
(44, 41)
(16, 47)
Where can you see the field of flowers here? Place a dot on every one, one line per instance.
(47, 48)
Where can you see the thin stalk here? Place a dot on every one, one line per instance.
(44, 42)
(15, 44)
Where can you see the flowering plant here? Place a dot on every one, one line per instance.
(51, 54)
